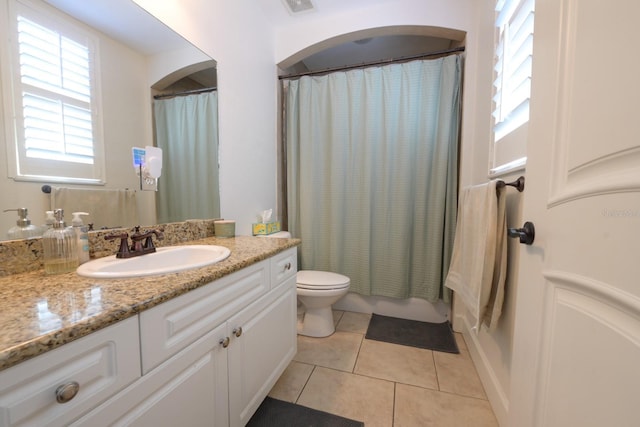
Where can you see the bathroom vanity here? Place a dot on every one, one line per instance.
(201, 347)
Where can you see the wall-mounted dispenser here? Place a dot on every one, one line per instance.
(147, 163)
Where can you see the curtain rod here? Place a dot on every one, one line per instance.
(370, 64)
(186, 92)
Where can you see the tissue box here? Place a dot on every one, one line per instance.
(265, 228)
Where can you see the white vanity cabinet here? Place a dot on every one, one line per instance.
(209, 357)
(57, 387)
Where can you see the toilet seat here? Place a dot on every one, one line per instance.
(321, 280)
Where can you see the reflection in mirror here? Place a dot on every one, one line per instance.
(186, 129)
(138, 57)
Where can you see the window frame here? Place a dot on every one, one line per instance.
(508, 153)
(20, 167)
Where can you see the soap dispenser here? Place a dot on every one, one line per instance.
(60, 246)
(23, 228)
(82, 236)
(49, 219)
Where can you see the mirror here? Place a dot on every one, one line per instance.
(139, 57)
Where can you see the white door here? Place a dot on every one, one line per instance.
(576, 359)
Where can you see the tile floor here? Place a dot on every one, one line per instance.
(384, 385)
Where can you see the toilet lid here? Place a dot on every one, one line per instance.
(309, 279)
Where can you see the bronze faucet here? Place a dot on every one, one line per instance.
(137, 247)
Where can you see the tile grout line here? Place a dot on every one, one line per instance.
(435, 368)
(355, 363)
(305, 384)
(393, 405)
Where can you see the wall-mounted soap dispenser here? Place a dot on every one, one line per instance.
(147, 163)
(23, 228)
(60, 245)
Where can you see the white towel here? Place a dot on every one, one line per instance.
(106, 208)
(478, 263)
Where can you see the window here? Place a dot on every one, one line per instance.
(512, 78)
(57, 131)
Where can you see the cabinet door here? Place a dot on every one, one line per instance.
(261, 350)
(189, 389)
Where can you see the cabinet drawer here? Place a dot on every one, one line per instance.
(173, 325)
(283, 266)
(101, 364)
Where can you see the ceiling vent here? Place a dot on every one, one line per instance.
(298, 6)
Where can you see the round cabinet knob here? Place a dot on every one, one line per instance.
(237, 331)
(224, 342)
(287, 266)
(66, 392)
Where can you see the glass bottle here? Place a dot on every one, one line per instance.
(23, 228)
(60, 247)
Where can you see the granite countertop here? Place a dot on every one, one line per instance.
(41, 312)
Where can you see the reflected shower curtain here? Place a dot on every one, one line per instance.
(187, 132)
(372, 174)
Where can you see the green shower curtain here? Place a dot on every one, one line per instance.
(187, 132)
(372, 174)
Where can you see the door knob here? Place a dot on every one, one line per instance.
(526, 234)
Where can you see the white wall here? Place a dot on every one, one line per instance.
(491, 351)
(127, 123)
(455, 14)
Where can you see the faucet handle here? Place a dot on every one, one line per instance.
(123, 250)
(148, 243)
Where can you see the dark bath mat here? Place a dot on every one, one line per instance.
(277, 413)
(432, 336)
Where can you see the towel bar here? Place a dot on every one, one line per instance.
(518, 184)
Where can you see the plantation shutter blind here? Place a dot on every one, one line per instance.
(513, 60)
(58, 132)
(56, 95)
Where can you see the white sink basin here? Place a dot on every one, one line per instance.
(163, 261)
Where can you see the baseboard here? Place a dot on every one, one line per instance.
(495, 393)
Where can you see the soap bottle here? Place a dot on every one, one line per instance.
(60, 247)
(82, 236)
(49, 219)
(23, 228)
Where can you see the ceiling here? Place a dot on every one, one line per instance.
(127, 22)
(124, 21)
(278, 14)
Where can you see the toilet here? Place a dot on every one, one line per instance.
(317, 291)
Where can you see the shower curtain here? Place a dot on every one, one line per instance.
(372, 174)
(187, 132)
